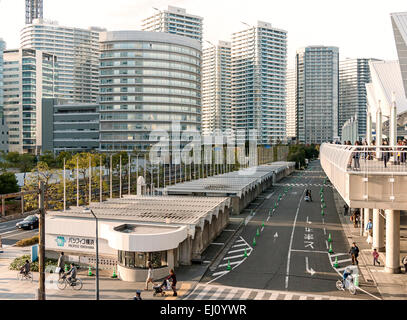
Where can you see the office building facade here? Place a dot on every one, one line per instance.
(317, 91)
(291, 119)
(216, 88)
(29, 76)
(353, 76)
(148, 80)
(175, 21)
(3, 127)
(70, 127)
(34, 9)
(259, 62)
(78, 53)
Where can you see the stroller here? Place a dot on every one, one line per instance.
(162, 289)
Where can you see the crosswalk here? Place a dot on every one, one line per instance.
(218, 292)
(237, 254)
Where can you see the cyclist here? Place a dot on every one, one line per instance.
(72, 272)
(25, 269)
(346, 273)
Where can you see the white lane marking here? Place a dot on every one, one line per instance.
(269, 196)
(260, 295)
(288, 296)
(262, 228)
(16, 234)
(238, 245)
(324, 231)
(240, 262)
(268, 218)
(308, 251)
(240, 240)
(273, 296)
(219, 273)
(238, 250)
(233, 257)
(229, 230)
(323, 221)
(216, 294)
(303, 298)
(340, 269)
(338, 254)
(225, 264)
(344, 260)
(291, 241)
(326, 242)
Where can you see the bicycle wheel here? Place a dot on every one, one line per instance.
(352, 289)
(339, 285)
(30, 277)
(61, 284)
(19, 276)
(78, 284)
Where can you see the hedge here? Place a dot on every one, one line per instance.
(28, 242)
(20, 261)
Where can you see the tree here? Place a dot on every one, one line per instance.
(8, 183)
(13, 158)
(49, 158)
(61, 156)
(26, 162)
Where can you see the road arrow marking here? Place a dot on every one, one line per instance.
(309, 222)
(275, 236)
(311, 271)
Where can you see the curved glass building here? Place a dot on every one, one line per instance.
(148, 80)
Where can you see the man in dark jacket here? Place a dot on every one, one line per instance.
(61, 264)
(354, 252)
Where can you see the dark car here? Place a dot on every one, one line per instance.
(30, 222)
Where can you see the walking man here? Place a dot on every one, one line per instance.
(354, 252)
(61, 264)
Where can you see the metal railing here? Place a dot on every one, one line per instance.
(383, 159)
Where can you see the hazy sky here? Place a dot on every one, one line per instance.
(360, 28)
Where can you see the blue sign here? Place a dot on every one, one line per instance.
(60, 241)
(267, 146)
(34, 253)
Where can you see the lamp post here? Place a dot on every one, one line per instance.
(88, 210)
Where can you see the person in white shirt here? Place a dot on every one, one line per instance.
(149, 275)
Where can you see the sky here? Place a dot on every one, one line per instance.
(360, 28)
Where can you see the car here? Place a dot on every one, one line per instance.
(30, 222)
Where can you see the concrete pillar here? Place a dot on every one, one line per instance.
(378, 131)
(392, 241)
(378, 230)
(393, 122)
(369, 128)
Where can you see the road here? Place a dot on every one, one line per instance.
(290, 259)
(10, 234)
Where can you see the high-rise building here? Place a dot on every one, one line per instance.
(77, 51)
(291, 119)
(353, 75)
(399, 22)
(3, 127)
(259, 62)
(216, 88)
(33, 10)
(148, 80)
(176, 21)
(317, 72)
(29, 76)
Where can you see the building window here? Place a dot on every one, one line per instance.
(140, 260)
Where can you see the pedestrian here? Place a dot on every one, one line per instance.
(354, 252)
(149, 275)
(173, 279)
(345, 209)
(385, 153)
(404, 261)
(369, 230)
(376, 257)
(138, 295)
(61, 264)
(356, 156)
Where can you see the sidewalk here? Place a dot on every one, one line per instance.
(390, 286)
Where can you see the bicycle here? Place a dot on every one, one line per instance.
(23, 276)
(348, 285)
(63, 282)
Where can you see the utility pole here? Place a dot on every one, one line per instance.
(41, 246)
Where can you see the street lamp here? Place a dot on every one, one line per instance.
(88, 210)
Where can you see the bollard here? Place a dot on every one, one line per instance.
(114, 276)
(245, 253)
(257, 232)
(330, 248)
(329, 238)
(90, 272)
(229, 267)
(66, 268)
(322, 212)
(262, 224)
(254, 241)
(336, 262)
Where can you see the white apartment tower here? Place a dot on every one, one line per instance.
(259, 62)
(77, 51)
(29, 76)
(216, 88)
(176, 21)
(291, 104)
(317, 70)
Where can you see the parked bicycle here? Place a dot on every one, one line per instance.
(64, 281)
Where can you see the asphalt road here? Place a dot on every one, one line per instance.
(10, 234)
(291, 252)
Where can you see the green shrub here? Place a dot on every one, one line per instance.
(19, 262)
(28, 242)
